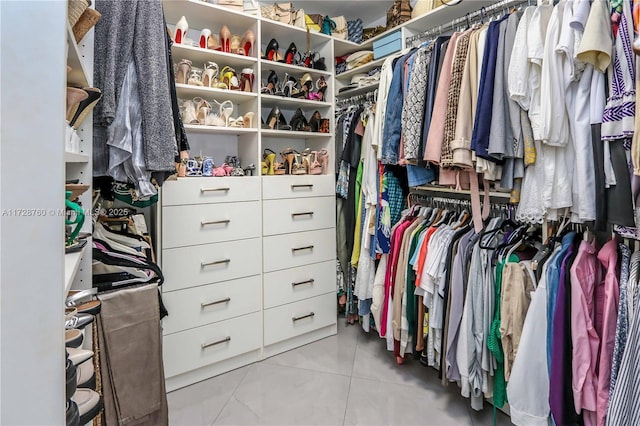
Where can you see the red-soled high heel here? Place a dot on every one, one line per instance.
(182, 28)
(225, 39)
(248, 41)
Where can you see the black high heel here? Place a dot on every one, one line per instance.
(299, 122)
(272, 49)
(314, 122)
(272, 83)
(276, 121)
(290, 54)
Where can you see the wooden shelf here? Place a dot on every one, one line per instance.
(284, 102)
(361, 69)
(216, 130)
(72, 157)
(189, 91)
(200, 56)
(78, 75)
(286, 134)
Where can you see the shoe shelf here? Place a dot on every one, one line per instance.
(189, 91)
(344, 47)
(200, 15)
(361, 69)
(78, 75)
(200, 56)
(358, 91)
(284, 102)
(71, 266)
(237, 131)
(288, 134)
(297, 71)
(73, 157)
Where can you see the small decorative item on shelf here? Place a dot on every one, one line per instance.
(399, 13)
(354, 30)
(205, 166)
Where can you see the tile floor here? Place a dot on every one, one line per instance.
(347, 379)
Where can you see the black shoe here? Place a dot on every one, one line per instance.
(73, 415)
(272, 83)
(299, 122)
(290, 54)
(71, 378)
(272, 50)
(319, 64)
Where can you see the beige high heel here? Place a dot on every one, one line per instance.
(248, 120)
(189, 113)
(203, 108)
(225, 39)
(74, 97)
(248, 41)
(183, 70)
(210, 74)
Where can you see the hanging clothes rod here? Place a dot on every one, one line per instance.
(502, 6)
(357, 99)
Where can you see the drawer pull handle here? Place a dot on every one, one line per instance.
(215, 222)
(302, 214)
(218, 342)
(217, 302)
(308, 185)
(311, 281)
(309, 315)
(215, 262)
(302, 248)
(203, 190)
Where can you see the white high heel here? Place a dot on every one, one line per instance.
(210, 74)
(226, 109)
(204, 38)
(182, 28)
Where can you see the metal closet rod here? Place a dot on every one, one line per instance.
(481, 13)
(369, 97)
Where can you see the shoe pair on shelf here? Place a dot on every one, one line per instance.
(204, 166)
(199, 111)
(83, 403)
(80, 103)
(228, 43)
(298, 123)
(295, 163)
(293, 57)
(293, 88)
(211, 76)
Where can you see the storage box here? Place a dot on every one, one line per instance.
(387, 45)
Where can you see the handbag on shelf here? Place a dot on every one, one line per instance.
(328, 26)
(311, 25)
(425, 6)
(281, 12)
(371, 32)
(237, 5)
(354, 30)
(299, 20)
(399, 13)
(340, 30)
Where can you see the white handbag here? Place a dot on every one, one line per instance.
(341, 31)
(299, 20)
(424, 6)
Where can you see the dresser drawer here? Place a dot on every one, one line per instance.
(197, 306)
(294, 319)
(197, 265)
(202, 346)
(292, 285)
(295, 215)
(204, 190)
(302, 248)
(276, 187)
(209, 223)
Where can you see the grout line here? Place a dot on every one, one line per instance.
(346, 406)
(306, 369)
(233, 395)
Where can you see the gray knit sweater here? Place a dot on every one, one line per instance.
(133, 27)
